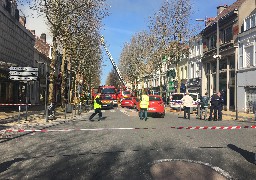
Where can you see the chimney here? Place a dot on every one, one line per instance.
(43, 37)
(221, 8)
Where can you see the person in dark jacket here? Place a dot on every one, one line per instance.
(214, 106)
(254, 109)
(204, 103)
(220, 106)
(97, 107)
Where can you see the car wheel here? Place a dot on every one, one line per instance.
(162, 115)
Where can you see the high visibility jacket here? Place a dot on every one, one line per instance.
(96, 104)
(144, 101)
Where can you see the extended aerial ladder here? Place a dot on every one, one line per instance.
(113, 62)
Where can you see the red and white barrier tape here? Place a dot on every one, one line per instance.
(14, 104)
(102, 129)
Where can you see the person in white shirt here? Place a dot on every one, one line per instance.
(187, 102)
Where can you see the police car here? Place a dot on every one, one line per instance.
(176, 103)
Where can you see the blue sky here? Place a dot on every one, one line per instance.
(130, 16)
(126, 18)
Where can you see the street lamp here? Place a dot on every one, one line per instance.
(46, 92)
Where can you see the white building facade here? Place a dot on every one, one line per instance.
(195, 66)
(246, 81)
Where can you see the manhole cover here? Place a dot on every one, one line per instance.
(186, 169)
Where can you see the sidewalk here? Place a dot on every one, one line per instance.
(35, 120)
(227, 115)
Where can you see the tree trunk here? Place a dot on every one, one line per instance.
(51, 98)
(64, 78)
(178, 78)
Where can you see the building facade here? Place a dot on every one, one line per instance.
(42, 60)
(194, 65)
(16, 49)
(246, 81)
(229, 22)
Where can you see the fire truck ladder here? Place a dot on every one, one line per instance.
(112, 61)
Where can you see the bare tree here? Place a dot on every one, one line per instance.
(72, 24)
(134, 57)
(171, 30)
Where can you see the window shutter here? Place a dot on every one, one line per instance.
(240, 56)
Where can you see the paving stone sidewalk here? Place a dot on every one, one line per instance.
(35, 120)
(227, 115)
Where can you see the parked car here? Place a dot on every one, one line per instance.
(156, 106)
(137, 103)
(196, 100)
(128, 102)
(107, 101)
(175, 100)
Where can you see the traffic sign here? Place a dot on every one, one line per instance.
(17, 73)
(23, 73)
(23, 69)
(20, 78)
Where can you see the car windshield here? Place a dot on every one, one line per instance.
(127, 92)
(154, 98)
(176, 97)
(108, 91)
(106, 97)
(128, 99)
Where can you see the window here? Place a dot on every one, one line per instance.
(249, 22)
(248, 56)
(192, 71)
(212, 42)
(227, 35)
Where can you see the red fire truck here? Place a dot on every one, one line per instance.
(111, 90)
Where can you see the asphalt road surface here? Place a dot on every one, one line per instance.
(123, 147)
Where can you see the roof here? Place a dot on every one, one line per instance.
(226, 11)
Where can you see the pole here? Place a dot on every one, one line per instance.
(236, 84)
(46, 92)
(218, 59)
(27, 101)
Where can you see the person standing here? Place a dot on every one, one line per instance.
(144, 102)
(220, 106)
(214, 106)
(187, 102)
(254, 110)
(204, 103)
(97, 107)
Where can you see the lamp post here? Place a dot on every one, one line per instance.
(46, 91)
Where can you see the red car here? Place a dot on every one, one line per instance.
(128, 102)
(156, 106)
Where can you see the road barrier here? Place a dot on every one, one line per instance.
(104, 129)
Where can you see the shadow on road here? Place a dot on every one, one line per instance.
(5, 165)
(249, 156)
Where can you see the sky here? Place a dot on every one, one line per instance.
(126, 18)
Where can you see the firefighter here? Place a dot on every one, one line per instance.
(97, 107)
(144, 102)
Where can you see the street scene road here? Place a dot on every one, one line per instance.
(121, 146)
